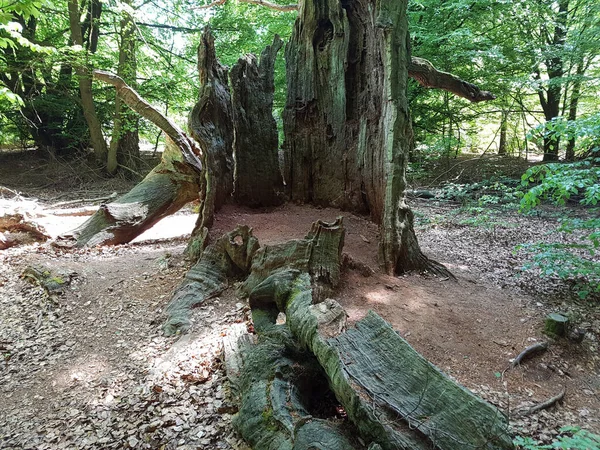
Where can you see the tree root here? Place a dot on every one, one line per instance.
(535, 348)
(543, 405)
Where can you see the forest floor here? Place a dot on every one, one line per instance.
(89, 368)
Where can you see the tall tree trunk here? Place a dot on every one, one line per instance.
(573, 102)
(124, 146)
(555, 67)
(211, 124)
(347, 125)
(257, 180)
(503, 130)
(85, 88)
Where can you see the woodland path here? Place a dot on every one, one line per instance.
(90, 369)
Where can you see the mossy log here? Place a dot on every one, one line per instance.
(258, 180)
(211, 124)
(228, 258)
(165, 190)
(285, 400)
(394, 397)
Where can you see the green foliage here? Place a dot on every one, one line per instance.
(572, 438)
(574, 263)
(585, 131)
(558, 183)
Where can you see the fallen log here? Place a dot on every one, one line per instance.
(16, 229)
(394, 397)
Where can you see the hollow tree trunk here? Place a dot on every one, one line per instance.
(211, 124)
(258, 180)
(394, 397)
(347, 125)
(169, 186)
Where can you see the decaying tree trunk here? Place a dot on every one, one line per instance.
(169, 186)
(16, 229)
(258, 180)
(394, 398)
(211, 124)
(228, 258)
(347, 126)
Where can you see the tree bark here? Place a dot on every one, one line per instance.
(257, 180)
(503, 130)
(211, 124)
(394, 397)
(85, 88)
(573, 104)
(347, 125)
(169, 186)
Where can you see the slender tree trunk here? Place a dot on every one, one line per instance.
(555, 66)
(573, 103)
(347, 125)
(85, 88)
(503, 129)
(124, 146)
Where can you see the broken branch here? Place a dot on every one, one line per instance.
(274, 6)
(428, 76)
(535, 348)
(543, 405)
(191, 152)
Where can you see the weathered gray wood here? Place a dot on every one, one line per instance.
(211, 124)
(258, 180)
(394, 396)
(165, 190)
(228, 258)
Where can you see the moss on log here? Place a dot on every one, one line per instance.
(556, 325)
(228, 258)
(347, 122)
(394, 396)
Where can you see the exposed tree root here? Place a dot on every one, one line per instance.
(543, 405)
(529, 351)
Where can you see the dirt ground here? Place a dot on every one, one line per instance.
(89, 368)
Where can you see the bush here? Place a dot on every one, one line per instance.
(571, 262)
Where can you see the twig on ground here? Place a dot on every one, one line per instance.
(85, 200)
(543, 405)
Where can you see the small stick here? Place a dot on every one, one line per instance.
(543, 405)
(535, 348)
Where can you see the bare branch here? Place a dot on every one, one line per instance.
(190, 150)
(428, 76)
(270, 5)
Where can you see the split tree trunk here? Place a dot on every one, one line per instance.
(211, 124)
(169, 186)
(347, 125)
(394, 397)
(258, 180)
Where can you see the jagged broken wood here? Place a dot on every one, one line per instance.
(211, 124)
(258, 180)
(16, 229)
(228, 258)
(393, 396)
